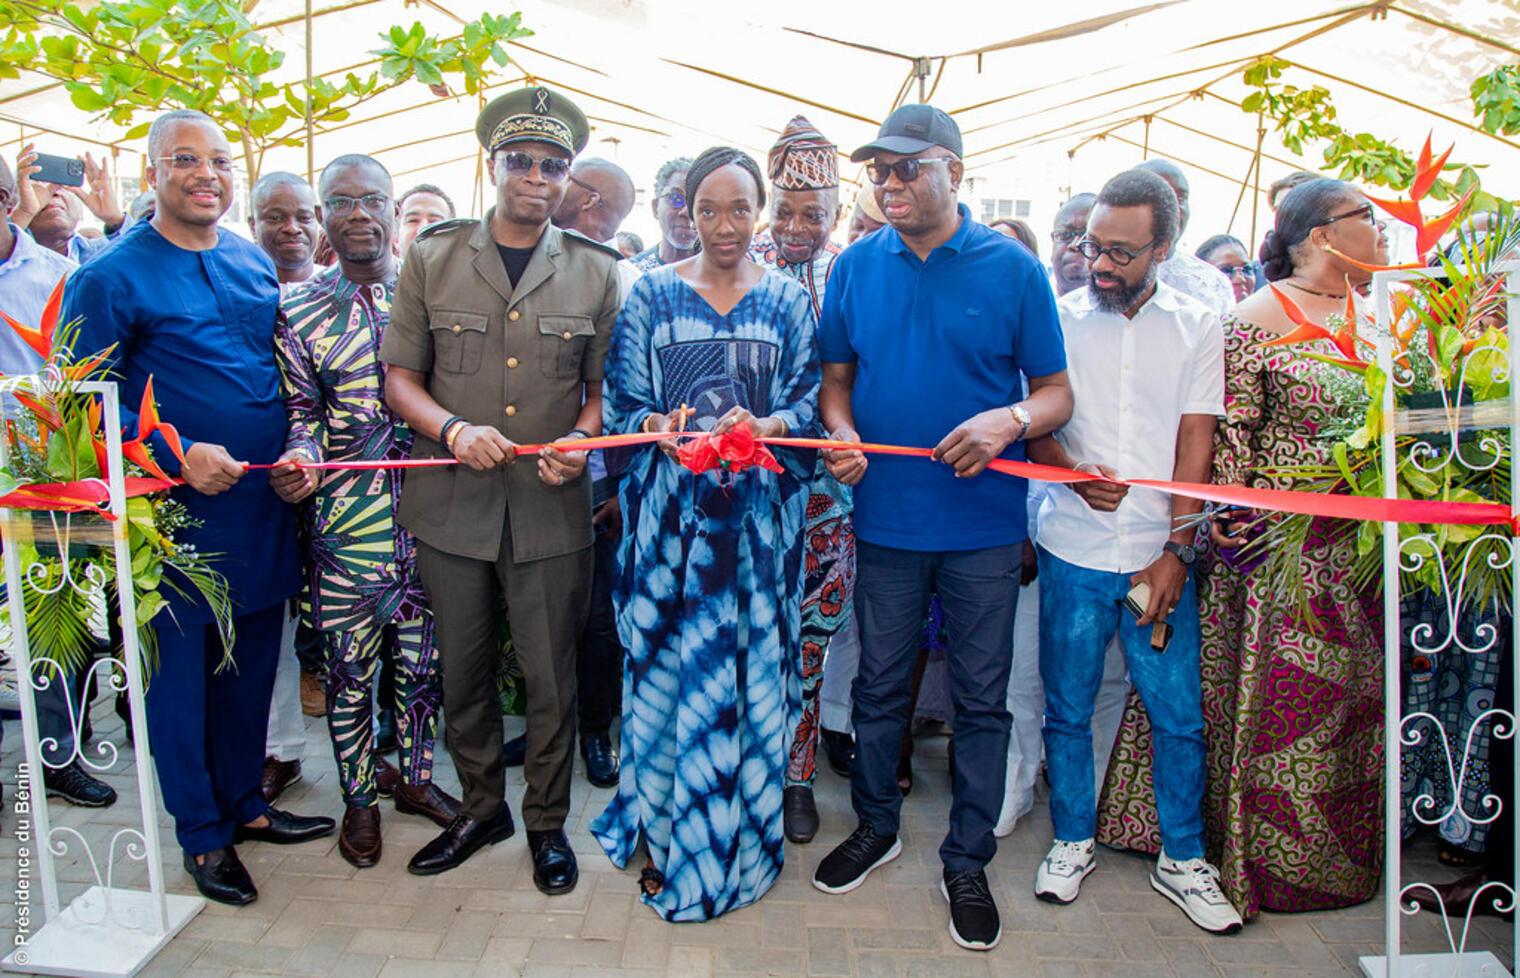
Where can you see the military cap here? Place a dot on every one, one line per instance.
(536, 114)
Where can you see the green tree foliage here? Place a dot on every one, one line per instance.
(126, 60)
(1307, 116)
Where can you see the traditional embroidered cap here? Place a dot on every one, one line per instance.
(536, 114)
(802, 159)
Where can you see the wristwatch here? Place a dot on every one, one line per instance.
(1021, 415)
(1184, 552)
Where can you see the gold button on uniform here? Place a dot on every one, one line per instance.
(511, 362)
(456, 327)
(514, 315)
(511, 409)
(567, 334)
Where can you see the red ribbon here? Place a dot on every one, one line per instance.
(703, 452)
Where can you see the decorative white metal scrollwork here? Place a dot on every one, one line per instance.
(46, 672)
(1411, 734)
(1415, 550)
(1409, 907)
(104, 911)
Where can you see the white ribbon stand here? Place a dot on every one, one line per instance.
(1430, 452)
(107, 930)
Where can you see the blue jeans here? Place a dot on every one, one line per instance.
(978, 590)
(1079, 613)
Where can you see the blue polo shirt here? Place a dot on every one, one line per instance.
(935, 342)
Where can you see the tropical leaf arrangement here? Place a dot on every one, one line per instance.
(1450, 353)
(55, 447)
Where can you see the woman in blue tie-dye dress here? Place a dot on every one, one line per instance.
(708, 592)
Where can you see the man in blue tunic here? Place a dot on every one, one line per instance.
(195, 306)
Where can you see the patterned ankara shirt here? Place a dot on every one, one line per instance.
(362, 564)
(813, 276)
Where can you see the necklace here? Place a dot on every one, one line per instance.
(1322, 295)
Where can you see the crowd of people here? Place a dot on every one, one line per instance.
(734, 623)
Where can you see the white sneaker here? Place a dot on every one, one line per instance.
(1060, 876)
(1194, 887)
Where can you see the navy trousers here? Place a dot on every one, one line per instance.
(978, 590)
(207, 727)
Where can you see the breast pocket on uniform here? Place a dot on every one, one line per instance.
(562, 341)
(459, 340)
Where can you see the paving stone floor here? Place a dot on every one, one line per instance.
(318, 916)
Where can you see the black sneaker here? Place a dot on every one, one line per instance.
(853, 859)
(974, 923)
(76, 787)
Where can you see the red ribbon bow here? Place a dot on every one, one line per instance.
(733, 451)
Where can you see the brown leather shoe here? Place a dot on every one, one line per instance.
(359, 842)
(386, 777)
(427, 800)
(1455, 897)
(313, 696)
(278, 775)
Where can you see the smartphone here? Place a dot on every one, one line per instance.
(64, 170)
(1135, 602)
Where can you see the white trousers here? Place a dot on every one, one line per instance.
(285, 739)
(1026, 701)
(839, 668)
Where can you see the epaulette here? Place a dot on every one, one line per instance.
(449, 225)
(583, 239)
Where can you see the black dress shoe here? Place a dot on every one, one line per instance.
(799, 816)
(601, 760)
(839, 748)
(285, 829)
(514, 753)
(74, 786)
(222, 877)
(554, 869)
(459, 842)
(385, 731)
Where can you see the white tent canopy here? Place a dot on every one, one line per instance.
(1050, 100)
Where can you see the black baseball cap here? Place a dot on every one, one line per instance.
(912, 129)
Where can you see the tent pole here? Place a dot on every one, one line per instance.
(480, 161)
(1261, 133)
(1255, 162)
(311, 149)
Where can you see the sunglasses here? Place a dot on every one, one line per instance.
(1090, 250)
(1248, 270)
(550, 167)
(342, 205)
(675, 198)
(907, 170)
(189, 161)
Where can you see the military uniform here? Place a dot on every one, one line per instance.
(517, 359)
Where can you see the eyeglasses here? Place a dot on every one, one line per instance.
(341, 205)
(1365, 212)
(588, 188)
(675, 198)
(906, 170)
(1064, 237)
(1247, 270)
(189, 161)
(1090, 250)
(551, 167)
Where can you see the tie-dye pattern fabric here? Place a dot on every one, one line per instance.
(708, 592)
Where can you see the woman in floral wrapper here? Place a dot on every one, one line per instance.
(1292, 686)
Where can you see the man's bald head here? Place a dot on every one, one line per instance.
(598, 200)
(1177, 180)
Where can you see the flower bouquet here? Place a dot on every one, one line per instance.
(1451, 369)
(56, 464)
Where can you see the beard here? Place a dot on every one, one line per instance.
(1119, 300)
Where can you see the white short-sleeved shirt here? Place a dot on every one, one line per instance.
(1132, 380)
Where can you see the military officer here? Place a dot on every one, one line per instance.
(498, 331)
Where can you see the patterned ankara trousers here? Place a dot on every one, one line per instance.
(828, 585)
(353, 659)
